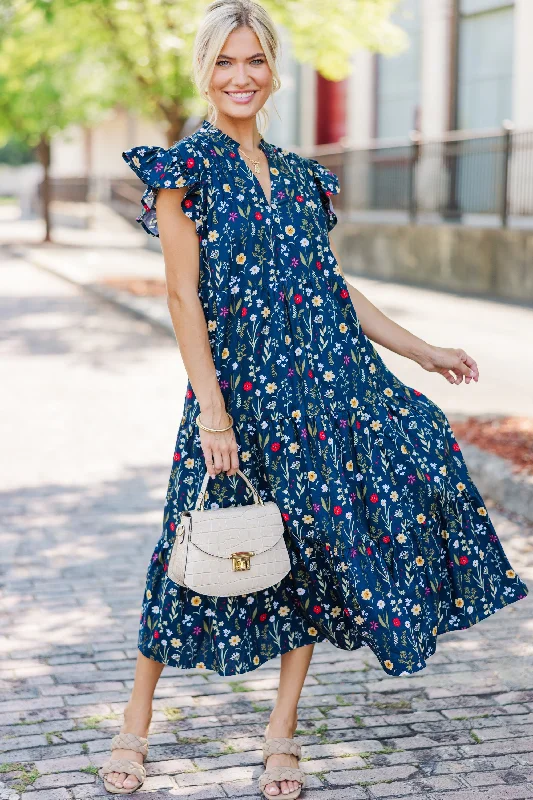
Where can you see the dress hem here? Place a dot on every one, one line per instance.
(317, 639)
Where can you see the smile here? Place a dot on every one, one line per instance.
(241, 96)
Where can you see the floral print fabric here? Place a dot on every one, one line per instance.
(390, 541)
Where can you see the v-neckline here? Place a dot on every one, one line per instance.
(208, 127)
(262, 145)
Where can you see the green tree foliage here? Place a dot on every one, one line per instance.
(152, 42)
(49, 79)
(62, 62)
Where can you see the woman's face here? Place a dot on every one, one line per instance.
(242, 80)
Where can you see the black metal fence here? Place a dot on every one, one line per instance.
(489, 173)
(72, 190)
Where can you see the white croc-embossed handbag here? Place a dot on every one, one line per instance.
(224, 552)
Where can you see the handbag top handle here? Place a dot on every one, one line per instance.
(201, 496)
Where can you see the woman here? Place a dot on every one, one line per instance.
(389, 539)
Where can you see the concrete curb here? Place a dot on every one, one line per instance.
(494, 476)
(139, 307)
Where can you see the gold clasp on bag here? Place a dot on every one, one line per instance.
(241, 561)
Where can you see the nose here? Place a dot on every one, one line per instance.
(240, 78)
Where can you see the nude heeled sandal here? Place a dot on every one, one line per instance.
(281, 745)
(125, 741)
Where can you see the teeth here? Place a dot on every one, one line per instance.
(240, 94)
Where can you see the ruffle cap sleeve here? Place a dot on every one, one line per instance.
(328, 184)
(168, 169)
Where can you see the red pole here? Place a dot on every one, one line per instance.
(330, 110)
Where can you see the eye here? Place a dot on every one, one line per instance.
(258, 60)
(222, 61)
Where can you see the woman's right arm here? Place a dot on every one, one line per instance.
(179, 242)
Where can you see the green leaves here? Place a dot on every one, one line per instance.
(49, 78)
(63, 62)
(313, 27)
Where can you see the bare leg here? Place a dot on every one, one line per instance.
(284, 716)
(137, 715)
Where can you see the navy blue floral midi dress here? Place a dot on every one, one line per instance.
(389, 539)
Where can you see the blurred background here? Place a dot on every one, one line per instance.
(424, 110)
(422, 107)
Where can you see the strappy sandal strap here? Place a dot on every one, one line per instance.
(273, 774)
(280, 745)
(129, 741)
(124, 765)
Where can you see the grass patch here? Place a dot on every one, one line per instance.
(91, 723)
(84, 747)
(321, 732)
(92, 770)
(228, 750)
(325, 709)
(258, 709)
(173, 714)
(320, 775)
(355, 755)
(10, 767)
(341, 701)
(237, 688)
(475, 737)
(358, 721)
(384, 751)
(191, 739)
(29, 722)
(25, 779)
(50, 736)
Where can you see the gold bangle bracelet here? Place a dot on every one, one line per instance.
(214, 430)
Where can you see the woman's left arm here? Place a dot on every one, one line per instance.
(453, 363)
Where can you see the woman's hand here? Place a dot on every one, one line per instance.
(219, 449)
(451, 362)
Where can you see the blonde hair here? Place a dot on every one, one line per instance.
(221, 18)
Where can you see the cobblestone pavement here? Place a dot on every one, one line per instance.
(89, 421)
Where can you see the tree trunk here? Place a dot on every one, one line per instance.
(175, 122)
(43, 154)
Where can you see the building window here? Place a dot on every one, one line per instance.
(398, 79)
(485, 74)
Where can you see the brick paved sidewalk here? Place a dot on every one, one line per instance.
(89, 424)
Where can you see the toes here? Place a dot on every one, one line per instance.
(121, 776)
(284, 786)
(131, 782)
(272, 788)
(113, 777)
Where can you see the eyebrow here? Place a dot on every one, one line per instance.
(222, 55)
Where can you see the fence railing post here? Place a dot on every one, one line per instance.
(413, 161)
(508, 128)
